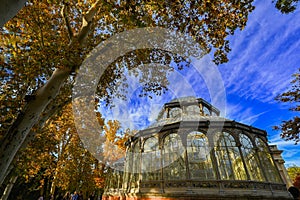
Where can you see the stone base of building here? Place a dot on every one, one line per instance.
(218, 195)
(194, 198)
(201, 190)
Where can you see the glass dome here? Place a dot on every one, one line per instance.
(176, 159)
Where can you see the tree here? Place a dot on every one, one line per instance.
(57, 161)
(44, 45)
(293, 172)
(296, 182)
(114, 145)
(290, 129)
(286, 6)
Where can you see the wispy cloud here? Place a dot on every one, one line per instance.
(263, 58)
(242, 113)
(264, 54)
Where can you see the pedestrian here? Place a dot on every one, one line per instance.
(75, 196)
(92, 196)
(80, 196)
(67, 196)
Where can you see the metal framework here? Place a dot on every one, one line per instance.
(193, 153)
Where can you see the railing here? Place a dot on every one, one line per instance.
(221, 184)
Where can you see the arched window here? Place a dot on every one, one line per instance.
(267, 162)
(173, 160)
(206, 111)
(228, 157)
(134, 167)
(193, 110)
(251, 159)
(151, 159)
(175, 112)
(199, 160)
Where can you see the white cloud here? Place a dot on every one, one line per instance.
(239, 113)
(264, 55)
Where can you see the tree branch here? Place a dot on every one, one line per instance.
(16, 135)
(87, 21)
(64, 14)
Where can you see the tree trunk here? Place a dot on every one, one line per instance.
(9, 9)
(30, 115)
(16, 135)
(8, 188)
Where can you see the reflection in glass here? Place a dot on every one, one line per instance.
(251, 160)
(151, 159)
(173, 160)
(193, 110)
(198, 151)
(228, 158)
(206, 111)
(267, 161)
(175, 112)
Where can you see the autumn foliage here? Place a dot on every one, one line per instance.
(290, 129)
(42, 48)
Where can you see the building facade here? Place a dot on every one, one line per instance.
(193, 153)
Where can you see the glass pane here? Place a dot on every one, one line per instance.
(198, 150)
(136, 164)
(151, 160)
(175, 112)
(176, 170)
(132, 168)
(206, 111)
(214, 114)
(114, 179)
(228, 158)
(193, 110)
(173, 159)
(267, 162)
(251, 159)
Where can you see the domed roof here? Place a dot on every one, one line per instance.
(187, 109)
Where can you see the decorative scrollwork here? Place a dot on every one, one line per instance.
(176, 184)
(237, 184)
(281, 187)
(150, 184)
(204, 184)
(261, 186)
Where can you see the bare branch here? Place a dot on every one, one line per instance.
(64, 14)
(87, 21)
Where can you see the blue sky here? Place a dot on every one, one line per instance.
(264, 56)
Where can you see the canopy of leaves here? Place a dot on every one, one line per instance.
(35, 42)
(296, 182)
(293, 172)
(290, 129)
(49, 34)
(57, 157)
(286, 6)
